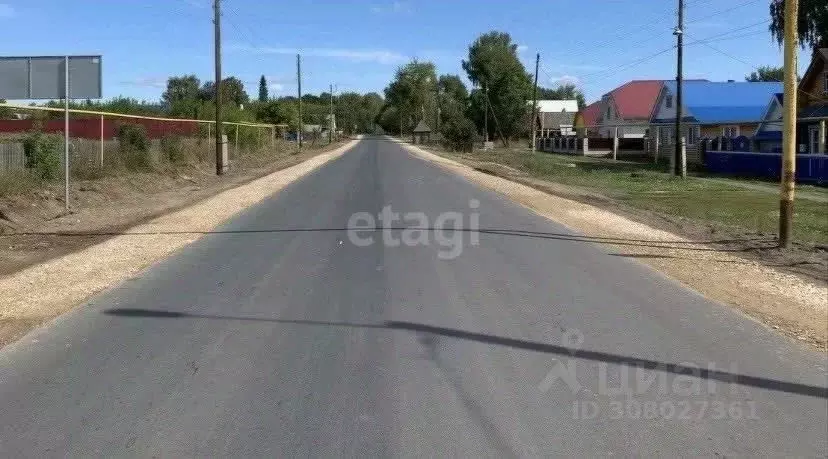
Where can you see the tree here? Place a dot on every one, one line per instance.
(278, 112)
(813, 22)
(563, 92)
(232, 91)
(183, 88)
(263, 89)
(494, 65)
(452, 86)
(412, 93)
(767, 73)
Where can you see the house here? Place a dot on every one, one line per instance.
(586, 120)
(812, 105)
(549, 124)
(555, 117)
(768, 138)
(628, 108)
(555, 106)
(711, 110)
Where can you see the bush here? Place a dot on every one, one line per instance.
(134, 144)
(42, 154)
(171, 147)
(459, 134)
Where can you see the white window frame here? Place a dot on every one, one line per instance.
(668, 102)
(668, 136)
(813, 139)
(735, 130)
(693, 135)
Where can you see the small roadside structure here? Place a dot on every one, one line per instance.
(421, 133)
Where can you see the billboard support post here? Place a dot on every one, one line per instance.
(66, 130)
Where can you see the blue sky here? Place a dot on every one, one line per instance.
(357, 45)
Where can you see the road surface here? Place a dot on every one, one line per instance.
(284, 334)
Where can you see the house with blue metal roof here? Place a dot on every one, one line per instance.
(711, 110)
(768, 138)
(813, 105)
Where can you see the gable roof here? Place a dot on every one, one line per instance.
(816, 111)
(636, 99)
(710, 102)
(421, 127)
(556, 106)
(820, 54)
(590, 114)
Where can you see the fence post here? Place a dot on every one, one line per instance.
(586, 146)
(657, 143)
(102, 141)
(209, 130)
(236, 148)
(615, 144)
(683, 158)
(272, 136)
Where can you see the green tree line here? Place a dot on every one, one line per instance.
(499, 81)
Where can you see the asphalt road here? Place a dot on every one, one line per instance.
(279, 336)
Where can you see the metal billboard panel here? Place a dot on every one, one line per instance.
(43, 77)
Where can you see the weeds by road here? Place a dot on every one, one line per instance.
(647, 186)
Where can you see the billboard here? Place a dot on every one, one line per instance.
(44, 77)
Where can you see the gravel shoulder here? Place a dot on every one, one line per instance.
(66, 259)
(795, 305)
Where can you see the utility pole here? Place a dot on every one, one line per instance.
(331, 120)
(786, 198)
(299, 84)
(437, 107)
(486, 116)
(217, 87)
(535, 101)
(679, 33)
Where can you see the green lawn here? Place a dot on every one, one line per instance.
(649, 186)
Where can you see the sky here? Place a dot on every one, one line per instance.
(357, 45)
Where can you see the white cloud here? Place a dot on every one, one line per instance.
(565, 79)
(357, 55)
(394, 7)
(149, 81)
(198, 3)
(6, 11)
(522, 48)
(276, 87)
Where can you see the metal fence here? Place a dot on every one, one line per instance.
(12, 157)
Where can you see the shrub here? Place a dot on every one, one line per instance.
(42, 154)
(134, 144)
(459, 134)
(171, 148)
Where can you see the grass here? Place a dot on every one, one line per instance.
(649, 186)
(18, 182)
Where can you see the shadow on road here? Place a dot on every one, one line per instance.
(661, 244)
(673, 368)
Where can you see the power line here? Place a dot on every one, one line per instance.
(652, 26)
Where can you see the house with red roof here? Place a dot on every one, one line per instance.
(586, 120)
(628, 108)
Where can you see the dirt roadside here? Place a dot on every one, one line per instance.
(794, 304)
(48, 259)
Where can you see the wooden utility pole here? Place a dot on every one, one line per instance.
(486, 116)
(331, 120)
(679, 33)
(535, 101)
(786, 198)
(217, 86)
(299, 85)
